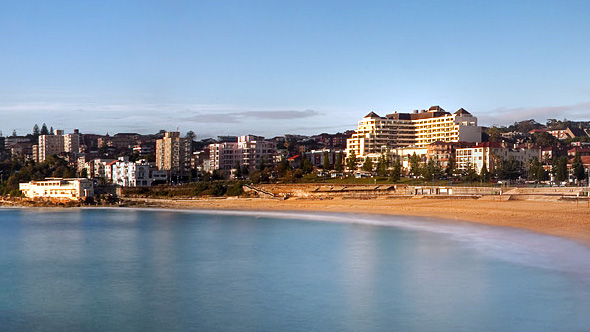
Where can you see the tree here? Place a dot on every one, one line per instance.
(103, 149)
(510, 169)
(484, 174)
(14, 133)
(382, 165)
(351, 161)
(431, 170)
(191, 134)
(306, 165)
(450, 169)
(44, 130)
(396, 170)
(36, 130)
(495, 133)
(578, 168)
(427, 170)
(437, 170)
(541, 174)
(415, 165)
(326, 166)
(283, 167)
(469, 174)
(51, 131)
(368, 165)
(536, 171)
(545, 139)
(262, 164)
(559, 168)
(338, 167)
(238, 169)
(533, 168)
(245, 171)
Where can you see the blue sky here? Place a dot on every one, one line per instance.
(274, 67)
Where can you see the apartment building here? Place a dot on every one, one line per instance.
(376, 134)
(57, 188)
(72, 142)
(56, 144)
(492, 154)
(173, 153)
(224, 156)
(255, 150)
(437, 125)
(50, 145)
(317, 157)
(127, 173)
(249, 151)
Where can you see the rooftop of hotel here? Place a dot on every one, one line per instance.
(432, 112)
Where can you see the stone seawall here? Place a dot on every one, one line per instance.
(323, 190)
(307, 190)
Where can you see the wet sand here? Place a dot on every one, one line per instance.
(564, 219)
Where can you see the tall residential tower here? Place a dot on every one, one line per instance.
(173, 153)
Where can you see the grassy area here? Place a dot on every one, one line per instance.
(205, 188)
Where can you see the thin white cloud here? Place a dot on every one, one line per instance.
(506, 116)
(237, 117)
(119, 117)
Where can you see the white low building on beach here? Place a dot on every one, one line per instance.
(57, 188)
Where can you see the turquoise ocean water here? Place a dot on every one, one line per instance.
(148, 270)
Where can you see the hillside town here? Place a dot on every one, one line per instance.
(422, 145)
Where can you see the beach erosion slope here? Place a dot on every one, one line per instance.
(564, 219)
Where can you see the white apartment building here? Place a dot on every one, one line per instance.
(127, 173)
(376, 134)
(249, 151)
(492, 154)
(57, 188)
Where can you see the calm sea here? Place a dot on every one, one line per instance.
(143, 270)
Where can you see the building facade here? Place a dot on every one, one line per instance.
(492, 154)
(50, 145)
(127, 173)
(72, 142)
(57, 188)
(249, 151)
(224, 156)
(173, 153)
(254, 151)
(55, 144)
(376, 134)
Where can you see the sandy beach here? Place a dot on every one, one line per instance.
(564, 219)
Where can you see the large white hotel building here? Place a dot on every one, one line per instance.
(376, 134)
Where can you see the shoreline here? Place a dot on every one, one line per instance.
(569, 220)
